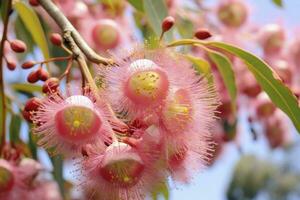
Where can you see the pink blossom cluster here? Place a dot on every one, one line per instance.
(22, 179)
(164, 116)
(229, 22)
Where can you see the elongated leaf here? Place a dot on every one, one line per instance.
(279, 3)
(156, 11)
(27, 88)
(3, 9)
(225, 68)
(137, 4)
(23, 34)
(33, 25)
(14, 128)
(280, 95)
(161, 189)
(201, 65)
(57, 163)
(32, 144)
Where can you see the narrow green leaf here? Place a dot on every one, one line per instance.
(57, 163)
(279, 3)
(137, 4)
(155, 12)
(280, 94)
(23, 34)
(32, 144)
(33, 25)
(185, 27)
(27, 88)
(161, 189)
(3, 8)
(225, 68)
(201, 65)
(14, 128)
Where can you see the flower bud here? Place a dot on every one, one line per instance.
(106, 34)
(167, 23)
(202, 34)
(51, 85)
(11, 64)
(32, 104)
(56, 39)
(33, 77)
(28, 64)
(43, 74)
(34, 2)
(26, 116)
(18, 46)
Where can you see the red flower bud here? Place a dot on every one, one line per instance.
(43, 74)
(56, 39)
(33, 77)
(202, 34)
(51, 85)
(11, 64)
(28, 64)
(26, 116)
(167, 23)
(34, 2)
(32, 104)
(18, 46)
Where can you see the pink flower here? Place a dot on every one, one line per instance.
(232, 13)
(66, 124)
(7, 179)
(46, 190)
(272, 37)
(160, 89)
(120, 171)
(187, 117)
(277, 131)
(137, 85)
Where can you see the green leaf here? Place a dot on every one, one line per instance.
(202, 67)
(137, 4)
(225, 68)
(57, 163)
(160, 189)
(23, 34)
(14, 128)
(185, 27)
(32, 144)
(280, 94)
(33, 25)
(155, 12)
(3, 7)
(26, 88)
(279, 3)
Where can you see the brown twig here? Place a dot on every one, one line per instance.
(66, 26)
(80, 50)
(2, 92)
(54, 59)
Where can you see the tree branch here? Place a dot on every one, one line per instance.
(67, 27)
(2, 92)
(79, 48)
